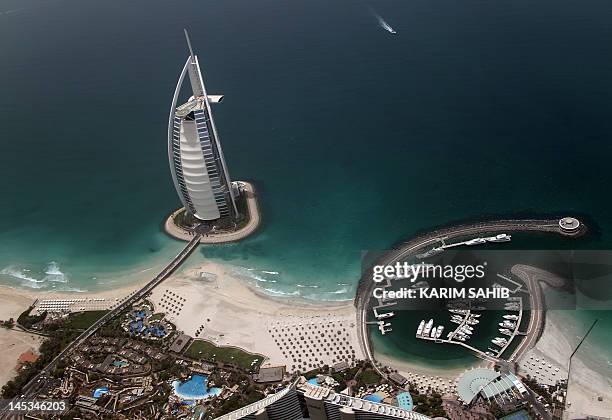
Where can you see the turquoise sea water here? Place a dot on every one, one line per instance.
(354, 137)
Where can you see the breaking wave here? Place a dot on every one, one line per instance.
(339, 291)
(19, 274)
(256, 275)
(51, 274)
(276, 292)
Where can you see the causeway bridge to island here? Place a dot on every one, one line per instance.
(38, 381)
(566, 226)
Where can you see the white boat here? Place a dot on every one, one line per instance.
(511, 317)
(440, 330)
(458, 311)
(420, 329)
(475, 241)
(505, 331)
(433, 333)
(502, 237)
(385, 315)
(507, 324)
(431, 252)
(386, 26)
(501, 342)
(428, 326)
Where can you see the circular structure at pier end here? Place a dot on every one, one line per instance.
(569, 224)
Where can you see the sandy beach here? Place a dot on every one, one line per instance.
(230, 312)
(13, 343)
(424, 377)
(14, 301)
(590, 393)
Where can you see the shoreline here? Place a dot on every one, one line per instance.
(587, 383)
(406, 367)
(210, 295)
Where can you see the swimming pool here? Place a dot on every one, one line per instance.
(98, 392)
(195, 388)
(374, 398)
(404, 400)
(313, 381)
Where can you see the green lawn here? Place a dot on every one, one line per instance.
(156, 317)
(230, 355)
(83, 320)
(368, 377)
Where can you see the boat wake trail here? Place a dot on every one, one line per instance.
(381, 22)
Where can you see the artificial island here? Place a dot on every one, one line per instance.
(213, 206)
(199, 344)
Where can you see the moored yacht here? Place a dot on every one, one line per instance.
(502, 237)
(476, 241)
(420, 328)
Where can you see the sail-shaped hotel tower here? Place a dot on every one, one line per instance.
(197, 164)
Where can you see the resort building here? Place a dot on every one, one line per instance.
(308, 401)
(490, 385)
(324, 404)
(198, 168)
(284, 405)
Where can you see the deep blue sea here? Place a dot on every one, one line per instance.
(354, 137)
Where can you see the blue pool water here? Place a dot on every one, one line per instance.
(374, 398)
(404, 400)
(313, 381)
(195, 388)
(518, 415)
(120, 363)
(98, 392)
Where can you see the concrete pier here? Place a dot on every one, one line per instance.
(566, 226)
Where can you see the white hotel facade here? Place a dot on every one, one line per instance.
(197, 164)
